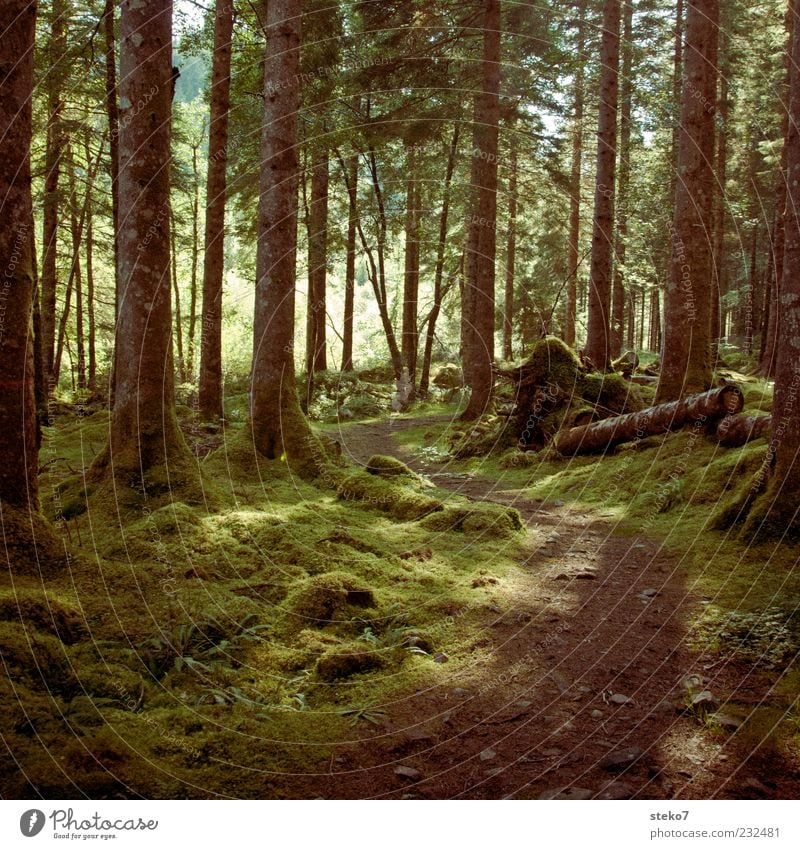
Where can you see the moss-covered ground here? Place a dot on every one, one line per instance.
(214, 646)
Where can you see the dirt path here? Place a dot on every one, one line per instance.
(579, 699)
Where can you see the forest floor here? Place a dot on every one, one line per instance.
(588, 686)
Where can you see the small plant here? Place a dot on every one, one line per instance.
(366, 712)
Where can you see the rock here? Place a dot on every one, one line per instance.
(586, 575)
(616, 790)
(619, 699)
(726, 721)
(621, 759)
(563, 793)
(460, 691)
(692, 681)
(704, 700)
(523, 703)
(440, 657)
(408, 772)
(558, 503)
(597, 714)
(488, 754)
(650, 593)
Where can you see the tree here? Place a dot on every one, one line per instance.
(598, 343)
(144, 428)
(276, 421)
(55, 150)
(575, 182)
(478, 354)
(210, 390)
(619, 297)
(317, 313)
(409, 334)
(350, 266)
(777, 510)
(511, 250)
(686, 359)
(27, 542)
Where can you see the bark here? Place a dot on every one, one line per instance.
(210, 390)
(482, 241)
(705, 408)
(438, 290)
(511, 250)
(377, 274)
(575, 182)
(53, 156)
(176, 294)
(620, 242)
(409, 335)
(112, 112)
(598, 343)
(734, 431)
(769, 353)
(90, 293)
(80, 342)
(776, 511)
(278, 426)
(28, 545)
(686, 360)
(350, 269)
(720, 284)
(316, 336)
(144, 428)
(195, 204)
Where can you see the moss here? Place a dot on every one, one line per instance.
(389, 467)
(42, 612)
(344, 661)
(388, 496)
(329, 597)
(552, 361)
(30, 544)
(490, 520)
(611, 393)
(40, 659)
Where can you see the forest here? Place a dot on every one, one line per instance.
(399, 399)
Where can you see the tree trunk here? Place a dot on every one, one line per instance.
(278, 426)
(686, 360)
(350, 269)
(438, 291)
(511, 250)
(176, 294)
(734, 431)
(598, 343)
(378, 275)
(210, 391)
(80, 343)
(620, 242)
(705, 408)
(189, 373)
(53, 156)
(776, 511)
(575, 181)
(411, 269)
(482, 240)
(28, 544)
(316, 341)
(144, 428)
(777, 242)
(90, 293)
(112, 112)
(720, 283)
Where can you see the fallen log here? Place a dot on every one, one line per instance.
(642, 379)
(706, 407)
(734, 431)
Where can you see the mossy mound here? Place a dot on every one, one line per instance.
(42, 612)
(448, 376)
(389, 496)
(489, 520)
(553, 362)
(327, 598)
(40, 659)
(389, 467)
(30, 545)
(344, 661)
(610, 394)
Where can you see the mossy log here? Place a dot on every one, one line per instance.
(706, 407)
(734, 431)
